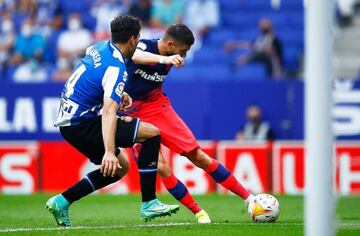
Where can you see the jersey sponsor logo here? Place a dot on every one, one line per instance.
(155, 77)
(67, 111)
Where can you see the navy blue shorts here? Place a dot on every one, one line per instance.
(87, 137)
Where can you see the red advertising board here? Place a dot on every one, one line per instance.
(249, 162)
(348, 168)
(289, 167)
(28, 167)
(19, 167)
(195, 179)
(63, 166)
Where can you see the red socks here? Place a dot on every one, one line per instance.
(223, 176)
(180, 192)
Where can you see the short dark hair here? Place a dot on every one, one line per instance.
(123, 28)
(180, 33)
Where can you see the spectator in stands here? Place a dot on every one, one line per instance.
(142, 10)
(7, 38)
(6, 6)
(21, 10)
(74, 41)
(31, 71)
(65, 8)
(197, 14)
(266, 49)
(197, 18)
(62, 71)
(255, 129)
(346, 10)
(28, 44)
(104, 11)
(166, 12)
(44, 15)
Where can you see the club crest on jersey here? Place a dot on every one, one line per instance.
(120, 89)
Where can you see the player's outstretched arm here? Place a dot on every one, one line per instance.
(145, 58)
(109, 120)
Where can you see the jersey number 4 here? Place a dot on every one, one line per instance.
(75, 76)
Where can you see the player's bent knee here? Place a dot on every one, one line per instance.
(199, 158)
(146, 131)
(124, 165)
(122, 171)
(153, 130)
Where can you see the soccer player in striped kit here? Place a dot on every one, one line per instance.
(88, 120)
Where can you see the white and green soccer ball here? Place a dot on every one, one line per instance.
(264, 208)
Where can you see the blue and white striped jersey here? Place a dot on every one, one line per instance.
(102, 72)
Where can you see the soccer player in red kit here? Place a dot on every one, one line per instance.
(147, 71)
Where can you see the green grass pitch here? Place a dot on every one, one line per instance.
(119, 215)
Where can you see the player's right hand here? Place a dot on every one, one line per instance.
(175, 60)
(109, 164)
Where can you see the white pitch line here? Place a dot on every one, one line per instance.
(284, 224)
(93, 227)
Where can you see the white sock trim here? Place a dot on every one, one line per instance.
(87, 178)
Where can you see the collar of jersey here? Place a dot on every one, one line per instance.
(117, 53)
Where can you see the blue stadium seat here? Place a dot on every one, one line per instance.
(251, 72)
(219, 36)
(50, 53)
(211, 72)
(292, 38)
(211, 55)
(292, 5)
(297, 19)
(88, 21)
(2, 75)
(236, 19)
(250, 35)
(184, 74)
(10, 70)
(291, 57)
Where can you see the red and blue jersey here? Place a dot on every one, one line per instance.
(145, 81)
(151, 105)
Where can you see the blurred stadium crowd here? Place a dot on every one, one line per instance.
(41, 40)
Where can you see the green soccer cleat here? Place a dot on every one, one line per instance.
(59, 207)
(154, 208)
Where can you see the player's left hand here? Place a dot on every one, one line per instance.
(126, 102)
(175, 60)
(109, 165)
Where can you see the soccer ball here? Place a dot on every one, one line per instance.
(264, 208)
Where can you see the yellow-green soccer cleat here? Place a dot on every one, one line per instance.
(202, 217)
(59, 207)
(154, 208)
